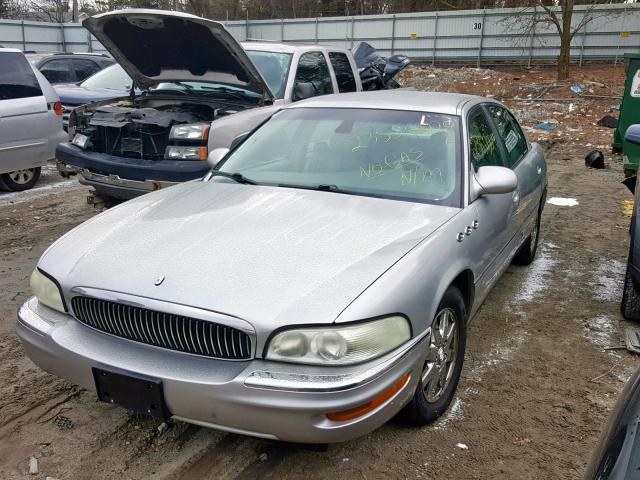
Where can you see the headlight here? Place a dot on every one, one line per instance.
(186, 153)
(46, 291)
(194, 131)
(340, 345)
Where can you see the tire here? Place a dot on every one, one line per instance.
(630, 305)
(527, 252)
(431, 399)
(20, 179)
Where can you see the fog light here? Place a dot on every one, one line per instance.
(363, 409)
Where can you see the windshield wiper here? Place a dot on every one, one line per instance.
(238, 177)
(323, 187)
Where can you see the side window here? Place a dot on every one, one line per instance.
(57, 71)
(510, 133)
(483, 144)
(314, 72)
(343, 71)
(17, 79)
(84, 68)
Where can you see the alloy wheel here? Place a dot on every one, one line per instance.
(22, 177)
(441, 357)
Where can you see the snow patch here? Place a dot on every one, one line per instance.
(563, 202)
(600, 330)
(453, 414)
(609, 277)
(462, 446)
(19, 197)
(537, 276)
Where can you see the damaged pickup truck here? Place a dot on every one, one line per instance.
(200, 91)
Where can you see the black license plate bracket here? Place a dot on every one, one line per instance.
(135, 392)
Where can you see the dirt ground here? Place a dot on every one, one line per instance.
(537, 383)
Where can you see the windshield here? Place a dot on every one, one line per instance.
(110, 78)
(392, 154)
(205, 88)
(274, 68)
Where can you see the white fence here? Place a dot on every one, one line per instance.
(478, 36)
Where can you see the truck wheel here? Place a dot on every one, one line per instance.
(443, 363)
(630, 305)
(20, 179)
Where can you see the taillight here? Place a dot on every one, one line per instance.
(57, 107)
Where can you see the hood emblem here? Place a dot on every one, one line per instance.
(159, 281)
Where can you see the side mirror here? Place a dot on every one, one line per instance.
(633, 134)
(216, 155)
(302, 90)
(493, 180)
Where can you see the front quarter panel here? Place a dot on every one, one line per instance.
(415, 284)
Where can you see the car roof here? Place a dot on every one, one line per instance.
(280, 47)
(10, 50)
(400, 99)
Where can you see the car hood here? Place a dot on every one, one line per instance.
(272, 256)
(155, 46)
(72, 94)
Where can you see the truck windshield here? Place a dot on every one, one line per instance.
(274, 68)
(403, 155)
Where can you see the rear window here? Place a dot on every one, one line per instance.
(344, 72)
(17, 80)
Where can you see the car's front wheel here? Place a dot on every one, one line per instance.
(20, 179)
(443, 363)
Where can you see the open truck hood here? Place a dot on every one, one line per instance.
(155, 46)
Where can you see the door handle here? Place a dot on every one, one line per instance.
(539, 170)
(516, 198)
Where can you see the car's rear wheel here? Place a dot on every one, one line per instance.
(20, 179)
(527, 252)
(443, 363)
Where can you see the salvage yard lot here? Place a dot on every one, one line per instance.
(537, 383)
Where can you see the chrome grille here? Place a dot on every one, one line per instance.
(165, 330)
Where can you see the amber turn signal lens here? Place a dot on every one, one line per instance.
(361, 410)
(57, 108)
(202, 153)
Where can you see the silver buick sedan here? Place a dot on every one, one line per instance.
(317, 282)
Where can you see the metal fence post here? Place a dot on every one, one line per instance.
(393, 33)
(353, 23)
(435, 40)
(532, 34)
(89, 42)
(484, 13)
(246, 27)
(64, 43)
(24, 38)
(316, 34)
(584, 35)
(281, 30)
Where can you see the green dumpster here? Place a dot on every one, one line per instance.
(629, 114)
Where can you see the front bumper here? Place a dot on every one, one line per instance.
(128, 175)
(258, 398)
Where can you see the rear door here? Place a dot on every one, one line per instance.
(84, 68)
(58, 70)
(24, 112)
(344, 72)
(523, 161)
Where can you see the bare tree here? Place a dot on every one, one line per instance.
(559, 15)
(51, 10)
(12, 9)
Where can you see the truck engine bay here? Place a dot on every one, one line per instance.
(141, 128)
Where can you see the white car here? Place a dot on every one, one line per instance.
(30, 121)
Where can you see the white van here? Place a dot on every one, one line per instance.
(30, 121)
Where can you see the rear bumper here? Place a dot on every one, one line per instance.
(258, 398)
(140, 174)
